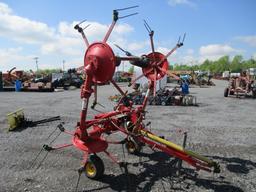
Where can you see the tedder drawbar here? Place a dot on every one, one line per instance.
(99, 65)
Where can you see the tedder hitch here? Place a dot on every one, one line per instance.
(191, 157)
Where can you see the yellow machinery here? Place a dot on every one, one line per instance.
(15, 119)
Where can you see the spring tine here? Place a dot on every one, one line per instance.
(34, 160)
(128, 15)
(101, 105)
(147, 25)
(55, 138)
(146, 28)
(184, 36)
(120, 48)
(81, 22)
(179, 40)
(41, 162)
(86, 26)
(52, 133)
(122, 9)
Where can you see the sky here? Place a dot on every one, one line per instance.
(45, 29)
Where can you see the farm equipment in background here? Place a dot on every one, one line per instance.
(164, 96)
(38, 83)
(10, 77)
(178, 75)
(241, 85)
(202, 78)
(37, 87)
(90, 135)
(172, 97)
(41, 82)
(67, 79)
(199, 78)
(20, 80)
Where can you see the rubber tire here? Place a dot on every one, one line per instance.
(226, 92)
(163, 103)
(98, 165)
(135, 149)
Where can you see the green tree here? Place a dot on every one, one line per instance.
(236, 64)
(222, 64)
(206, 65)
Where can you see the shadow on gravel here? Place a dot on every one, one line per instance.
(237, 165)
(161, 171)
(203, 104)
(241, 97)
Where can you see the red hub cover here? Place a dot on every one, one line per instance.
(99, 61)
(153, 68)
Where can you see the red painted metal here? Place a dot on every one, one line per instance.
(62, 146)
(155, 57)
(91, 145)
(99, 66)
(190, 160)
(100, 62)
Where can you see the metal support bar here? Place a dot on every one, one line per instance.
(81, 30)
(184, 146)
(110, 30)
(111, 157)
(117, 87)
(176, 147)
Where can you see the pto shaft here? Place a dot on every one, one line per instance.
(180, 149)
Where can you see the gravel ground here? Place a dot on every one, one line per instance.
(221, 128)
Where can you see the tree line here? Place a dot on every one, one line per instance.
(235, 65)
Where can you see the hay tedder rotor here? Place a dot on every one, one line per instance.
(89, 136)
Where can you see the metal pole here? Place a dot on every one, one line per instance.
(36, 59)
(183, 145)
(63, 65)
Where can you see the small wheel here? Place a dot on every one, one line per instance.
(226, 92)
(94, 168)
(132, 147)
(163, 103)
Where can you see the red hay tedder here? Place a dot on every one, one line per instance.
(99, 65)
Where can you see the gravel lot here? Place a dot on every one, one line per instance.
(223, 129)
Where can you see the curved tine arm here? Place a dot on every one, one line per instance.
(115, 18)
(85, 39)
(122, 9)
(151, 34)
(168, 54)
